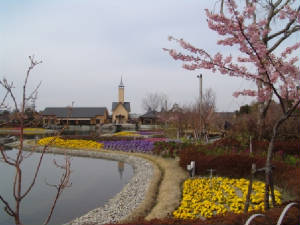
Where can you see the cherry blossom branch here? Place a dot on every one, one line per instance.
(287, 33)
(280, 8)
(260, 59)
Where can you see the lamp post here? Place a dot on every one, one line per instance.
(200, 99)
(200, 88)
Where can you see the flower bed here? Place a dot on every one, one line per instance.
(239, 166)
(204, 197)
(126, 134)
(102, 138)
(59, 142)
(143, 146)
(28, 130)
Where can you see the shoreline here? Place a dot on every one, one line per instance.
(124, 204)
(26, 132)
(161, 194)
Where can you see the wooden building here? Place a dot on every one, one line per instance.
(149, 118)
(74, 116)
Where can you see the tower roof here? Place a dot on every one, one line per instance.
(121, 83)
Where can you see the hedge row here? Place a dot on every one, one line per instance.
(284, 148)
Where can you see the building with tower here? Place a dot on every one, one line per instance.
(120, 109)
(88, 116)
(59, 116)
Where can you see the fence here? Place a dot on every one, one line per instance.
(284, 211)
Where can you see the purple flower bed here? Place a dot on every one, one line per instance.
(143, 146)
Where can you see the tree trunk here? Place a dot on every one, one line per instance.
(268, 166)
(248, 198)
(272, 189)
(267, 185)
(262, 113)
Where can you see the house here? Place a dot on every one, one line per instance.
(120, 109)
(74, 115)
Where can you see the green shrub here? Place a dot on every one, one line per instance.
(291, 160)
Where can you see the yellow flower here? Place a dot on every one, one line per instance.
(204, 197)
(78, 144)
(126, 134)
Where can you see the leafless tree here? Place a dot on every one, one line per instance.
(155, 102)
(201, 120)
(18, 190)
(187, 118)
(208, 109)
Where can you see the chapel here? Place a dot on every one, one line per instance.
(120, 109)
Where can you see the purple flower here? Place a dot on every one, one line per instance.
(129, 145)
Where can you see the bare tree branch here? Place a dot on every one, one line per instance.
(16, 162)
(7, 208)
(4, 98)
(5, 158)
(284, 37)
(64, 183)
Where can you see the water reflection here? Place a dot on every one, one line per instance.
(121, 168)
(94, 182)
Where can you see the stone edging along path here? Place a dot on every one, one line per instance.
(125, 202)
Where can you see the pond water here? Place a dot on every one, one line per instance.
(94, 182)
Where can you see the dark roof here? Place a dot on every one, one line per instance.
(76, 112)
(149, 114)
(125, 104)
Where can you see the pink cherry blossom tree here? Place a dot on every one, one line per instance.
(262, 32)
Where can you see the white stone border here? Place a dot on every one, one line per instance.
(126, 201)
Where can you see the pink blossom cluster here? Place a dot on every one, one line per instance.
(278, 73)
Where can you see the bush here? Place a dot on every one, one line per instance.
(292, 160)
(283, 147)
(227, 142)
(171, 148)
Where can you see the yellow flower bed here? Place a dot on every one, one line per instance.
(34, 129)
(126, 133)
(59, 142)
(203, 197)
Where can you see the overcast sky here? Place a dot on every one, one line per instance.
(87, 45)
